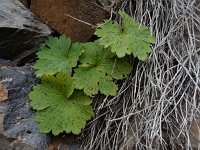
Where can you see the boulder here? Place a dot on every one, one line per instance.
(22, 33)
(76, 19)
(18, 129)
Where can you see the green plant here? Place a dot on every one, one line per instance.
(131, 38)
(71, 72)
(59, 106)
(59, 54)
(98, 67)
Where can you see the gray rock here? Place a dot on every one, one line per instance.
(17, 124)
(22, 33)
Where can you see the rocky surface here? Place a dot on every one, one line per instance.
(195, 133)
(75, 19)
(197, 30)
(18, 130)
(22, 33)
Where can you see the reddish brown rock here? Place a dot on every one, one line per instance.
(3, 92)
(75, 19)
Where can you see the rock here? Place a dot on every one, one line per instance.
(195, 133)
(130, 139)
(3, 92)
(69, 147)
(65, 142)
(194, 128)
(22, 33)
(196, 29)
(107, 4)
(18, 130)
(25, 2)
(75, 19)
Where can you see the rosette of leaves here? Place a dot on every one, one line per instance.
(60, 107)
(61, 99)
(59, 54)
(98, 67)
(132, 38)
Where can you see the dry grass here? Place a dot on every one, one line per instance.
(157, 105)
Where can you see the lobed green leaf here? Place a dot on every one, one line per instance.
(131, 38)
(59, 107)
(97, 70)
(59, 54)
